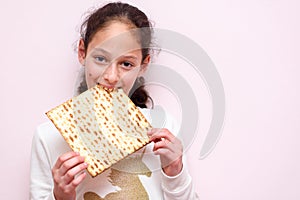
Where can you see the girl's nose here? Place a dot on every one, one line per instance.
(111, 75)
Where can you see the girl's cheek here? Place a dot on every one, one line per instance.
(91, 77)
(93, 72)
(128, 82)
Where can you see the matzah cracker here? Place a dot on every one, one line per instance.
(101, 124)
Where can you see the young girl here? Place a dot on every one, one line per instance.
(114, 51)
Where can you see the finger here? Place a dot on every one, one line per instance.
(70, 174)
(153, 130)
(167, 157)
(63, 158)
(68, 164)
(163, 152)
(163, 144)
(162, 133)
(78, 179)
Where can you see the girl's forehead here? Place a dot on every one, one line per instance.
(115, 39)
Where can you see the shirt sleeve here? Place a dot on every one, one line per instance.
(178, 187)
(41, 182)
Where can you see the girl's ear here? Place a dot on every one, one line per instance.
(144, 65)
(81, 52)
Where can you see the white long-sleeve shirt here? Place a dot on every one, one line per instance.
(148, 181)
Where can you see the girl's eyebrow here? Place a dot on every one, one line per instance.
(101, 50)
(130, 57)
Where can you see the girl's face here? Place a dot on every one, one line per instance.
(113, 58)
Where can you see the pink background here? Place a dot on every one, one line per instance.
(253, 44)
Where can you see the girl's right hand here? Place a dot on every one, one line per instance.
(68, 172)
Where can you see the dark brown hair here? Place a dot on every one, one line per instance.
(133, 17)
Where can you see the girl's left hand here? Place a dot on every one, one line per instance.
(169, 148)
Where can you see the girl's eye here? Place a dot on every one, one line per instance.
(100, 59)
(127, 64)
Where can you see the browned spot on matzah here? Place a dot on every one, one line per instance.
(102, 106)
(138, 116)
(65, 107)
